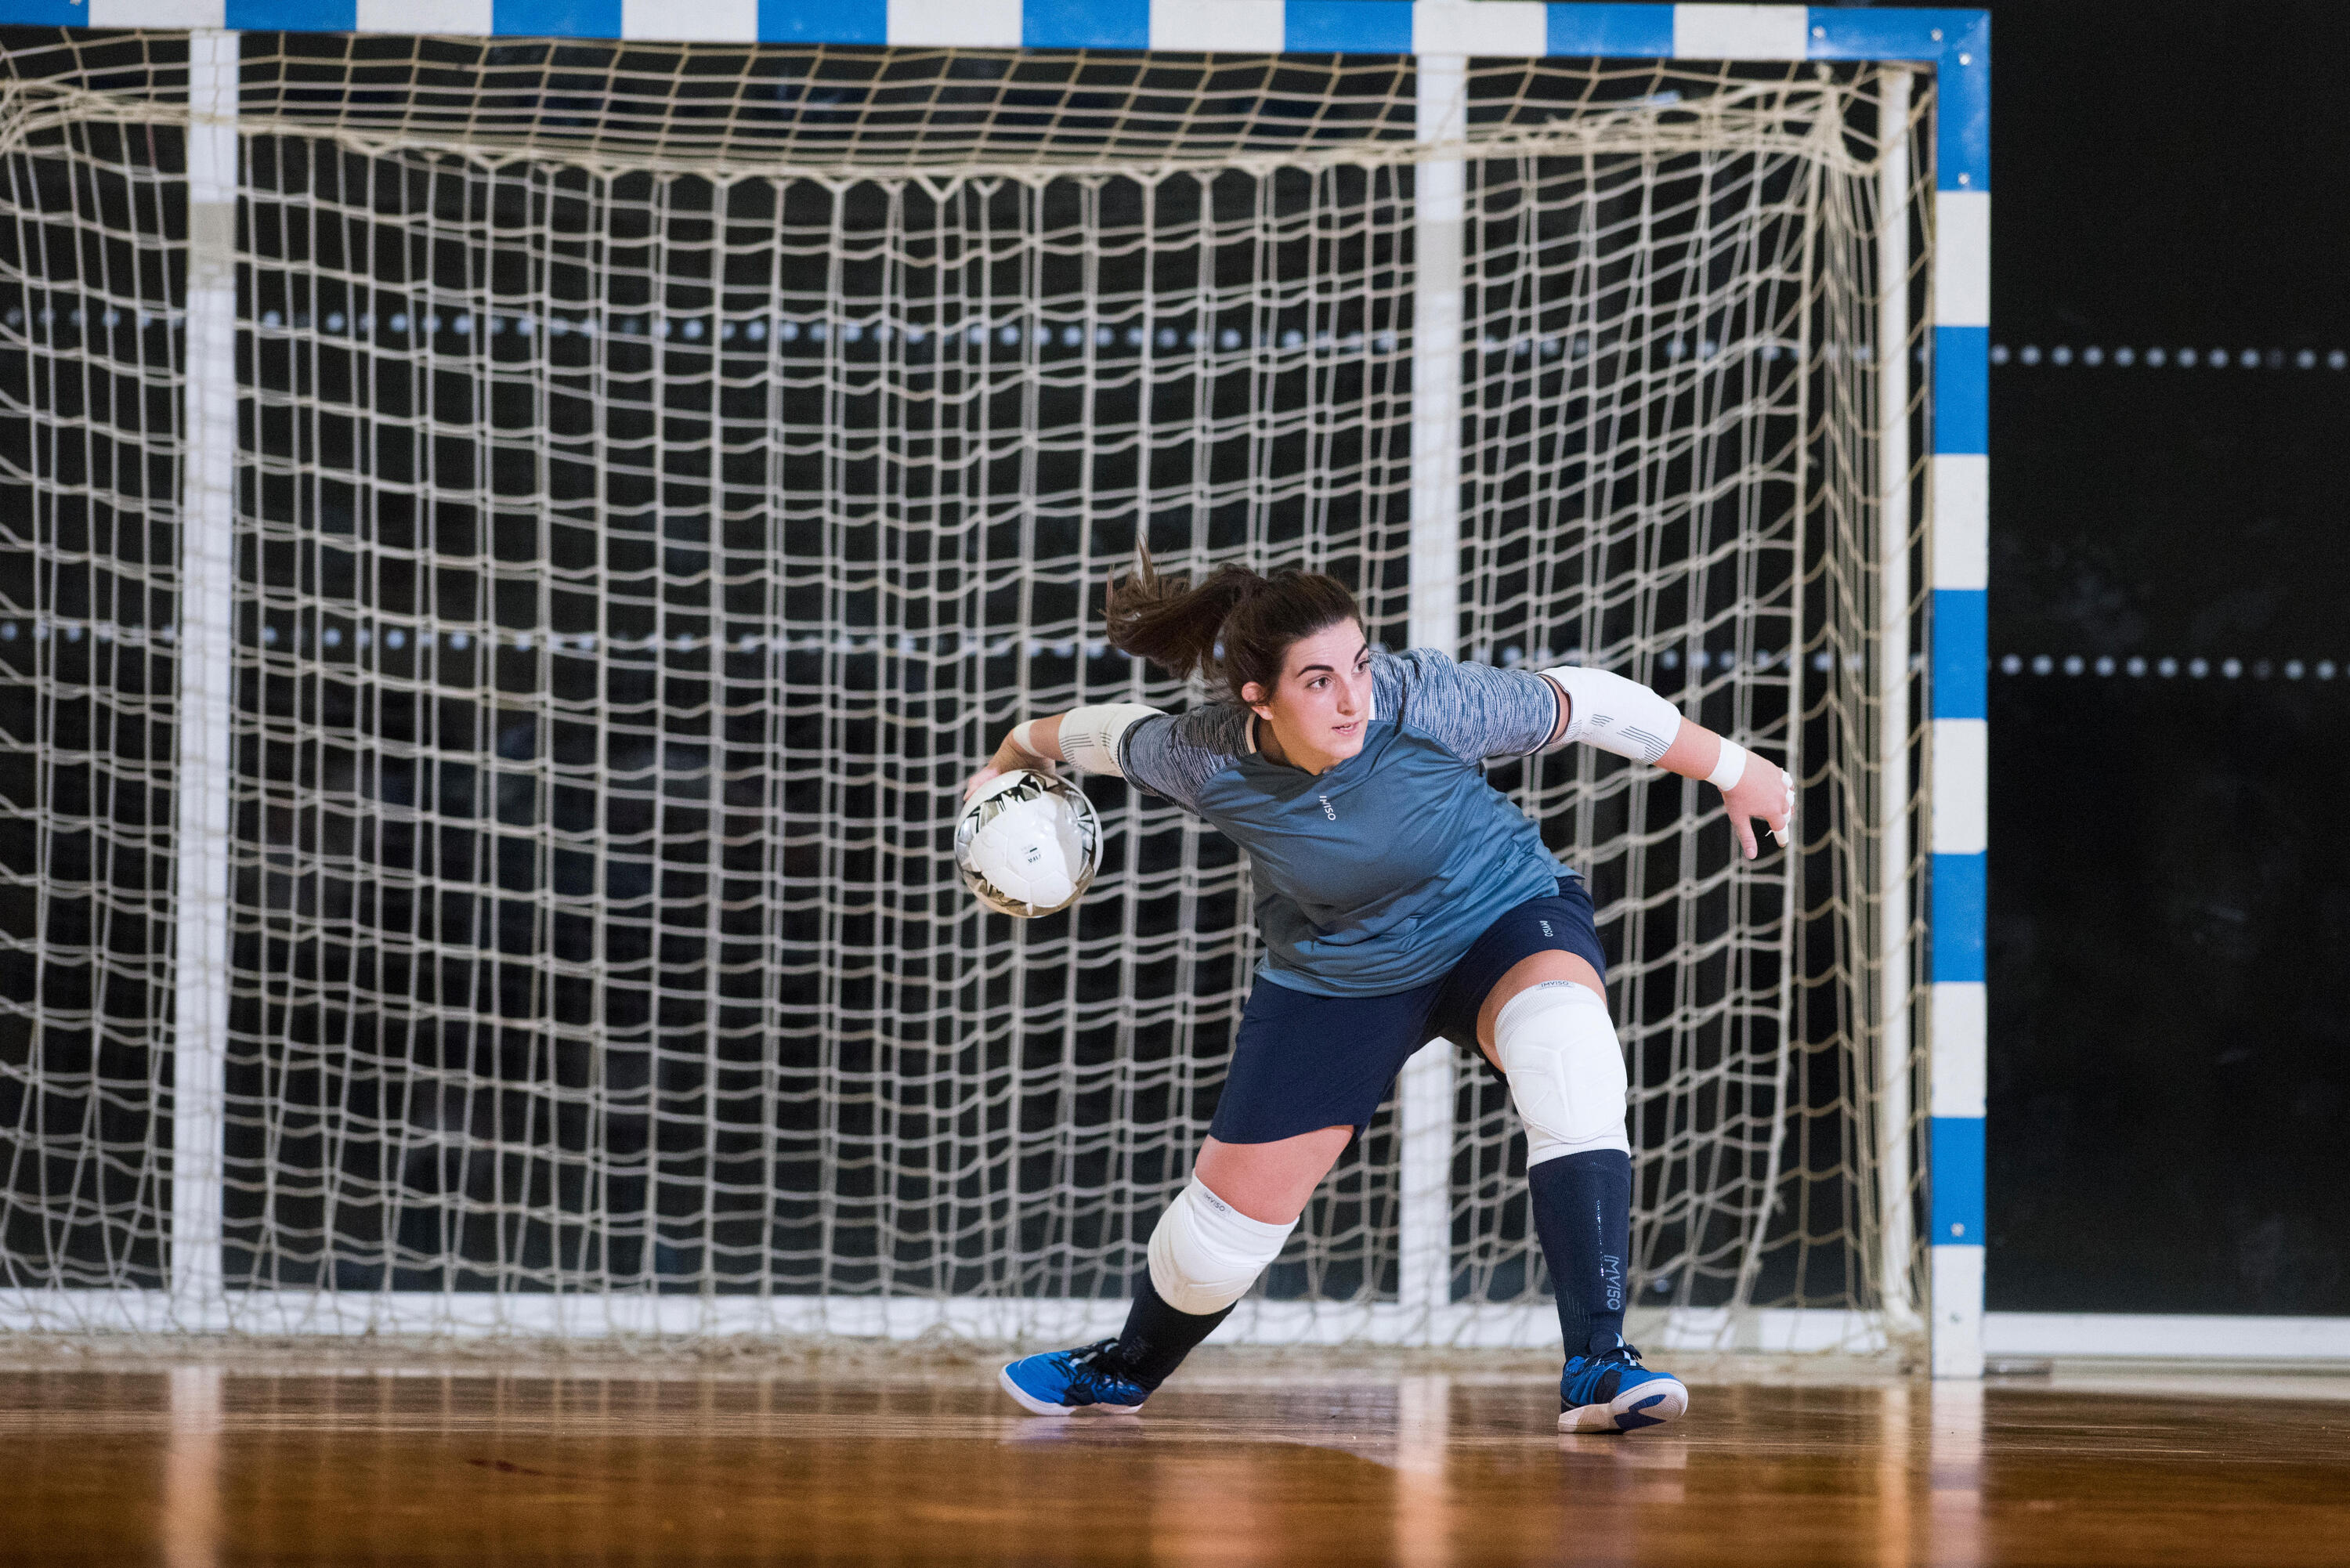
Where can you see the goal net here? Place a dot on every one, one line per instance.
(661, 472)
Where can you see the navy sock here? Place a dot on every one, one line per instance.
(1582, 1213)
(1157, 1337)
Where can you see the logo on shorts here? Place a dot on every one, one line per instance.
(1328, 810)
(1546, 930)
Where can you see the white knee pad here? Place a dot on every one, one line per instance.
(1565, 1069)
(1205, 1253)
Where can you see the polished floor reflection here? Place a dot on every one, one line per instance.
(200, 1466)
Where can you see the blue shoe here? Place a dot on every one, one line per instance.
(1063, 1382)
(1609, 1391)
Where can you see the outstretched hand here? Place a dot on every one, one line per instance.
(1008, 758)
(978, 780)
(1764, 791)
(1033, 743)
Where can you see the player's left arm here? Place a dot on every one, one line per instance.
(1628, 719)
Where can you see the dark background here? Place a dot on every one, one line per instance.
(2170, 865)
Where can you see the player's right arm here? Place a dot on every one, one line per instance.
(1090, 737)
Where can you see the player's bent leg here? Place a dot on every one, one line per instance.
(1556, 1045)
(1271, 1181)
(1205, 1253)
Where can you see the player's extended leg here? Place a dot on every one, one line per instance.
(1546, 1027)
(1207, 1250)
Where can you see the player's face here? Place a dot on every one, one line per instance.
(1322, 703)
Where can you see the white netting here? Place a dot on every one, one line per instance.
(666, 470)
(1690, 504)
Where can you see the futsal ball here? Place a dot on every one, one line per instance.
(1027, 844)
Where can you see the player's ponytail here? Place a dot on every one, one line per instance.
(1233, 619)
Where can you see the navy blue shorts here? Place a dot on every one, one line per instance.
(1305, 1061)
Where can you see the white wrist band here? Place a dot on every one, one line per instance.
(1023, 736)
(1729, 767)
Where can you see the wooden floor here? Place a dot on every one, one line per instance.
(199, 1465)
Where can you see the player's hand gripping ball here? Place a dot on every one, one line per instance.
(1027, 844)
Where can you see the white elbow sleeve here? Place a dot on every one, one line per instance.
(1090, 736)
(1615, 714)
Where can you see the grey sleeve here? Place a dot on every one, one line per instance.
(1474, 710)
(1175, 754)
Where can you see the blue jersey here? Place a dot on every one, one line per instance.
(1377, 876)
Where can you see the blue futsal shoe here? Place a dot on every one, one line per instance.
(1063, 1382)
(1609, 1391)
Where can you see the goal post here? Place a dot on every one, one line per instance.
(512, 539)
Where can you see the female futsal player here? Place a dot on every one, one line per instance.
(1402, 898)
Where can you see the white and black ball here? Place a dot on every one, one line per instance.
(1027, 844)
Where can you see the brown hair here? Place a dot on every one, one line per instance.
(1179, 625)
